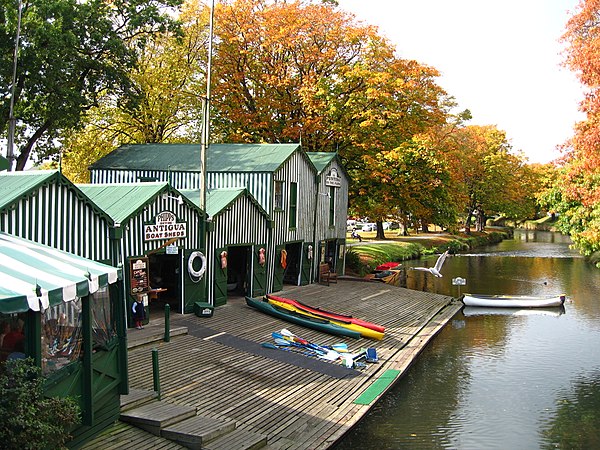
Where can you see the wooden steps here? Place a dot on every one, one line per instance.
(181, 425)
(155, 416)
(196, 431)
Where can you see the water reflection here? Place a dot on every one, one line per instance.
(501, 380)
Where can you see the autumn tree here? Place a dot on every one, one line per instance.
(307, 71)
(577, 191)
(487, 176)
(70, 53)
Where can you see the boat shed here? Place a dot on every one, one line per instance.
(65, 313)
(45, 207)
(280, 176)
(332, 208)
(160, 239)
(237, 239)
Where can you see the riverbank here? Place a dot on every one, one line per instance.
(364, 256)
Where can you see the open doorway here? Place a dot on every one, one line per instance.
(291, 274)
(165, 282)
(238, 270)
(331, 254)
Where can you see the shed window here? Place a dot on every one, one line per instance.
(278, 195)
(102, 318)
(293, 204)
(331, 206)
(61, 335)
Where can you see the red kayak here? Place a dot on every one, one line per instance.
(387, 266)
(328, 314)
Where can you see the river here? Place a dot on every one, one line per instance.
(529, 380)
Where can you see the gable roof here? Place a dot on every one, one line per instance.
(218, 200)
(121, 201)
(186, 157)
(17, 185)
(35, 276)
(322, 160)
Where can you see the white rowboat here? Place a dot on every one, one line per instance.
(513, 301)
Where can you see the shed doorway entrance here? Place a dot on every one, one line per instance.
(239, 270)
(165, 282)
(291, 274)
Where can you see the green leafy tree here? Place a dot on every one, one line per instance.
(30, 420)
(70, 53)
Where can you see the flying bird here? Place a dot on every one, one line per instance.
(435, 270)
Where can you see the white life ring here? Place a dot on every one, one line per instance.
(196, 273)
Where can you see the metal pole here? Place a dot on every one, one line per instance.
(167, 337)
(155, 372)
(11, 119)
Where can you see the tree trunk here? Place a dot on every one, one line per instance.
(380, 235)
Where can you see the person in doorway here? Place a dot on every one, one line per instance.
(139, 313)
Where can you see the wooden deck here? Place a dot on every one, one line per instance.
(220, 369)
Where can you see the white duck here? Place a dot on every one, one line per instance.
(435, 270)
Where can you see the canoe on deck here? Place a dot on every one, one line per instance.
(328, 314)
(364, 331)
(513, 301)
(316, 324)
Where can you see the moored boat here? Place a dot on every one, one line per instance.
(328, 314)
(364, 331)
(513, 301)
(315, 323)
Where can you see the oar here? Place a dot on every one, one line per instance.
(326, 353)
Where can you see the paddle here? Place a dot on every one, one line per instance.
(326, 353)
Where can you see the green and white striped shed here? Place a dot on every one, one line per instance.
(37, 282)
(332, 207)
(235, 220)
(133, 206)
(35, 277)
(45, 207)
(280, 176)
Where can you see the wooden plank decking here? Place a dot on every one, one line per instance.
(220, 369)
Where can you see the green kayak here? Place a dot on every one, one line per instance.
(316, 324)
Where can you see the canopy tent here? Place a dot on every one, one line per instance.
(34, 276)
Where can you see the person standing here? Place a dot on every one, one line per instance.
(139, 313)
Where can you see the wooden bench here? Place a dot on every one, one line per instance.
(326, 276)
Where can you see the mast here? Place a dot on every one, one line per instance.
(11, 119)
(205, 136)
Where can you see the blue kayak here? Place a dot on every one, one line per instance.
(316, 324)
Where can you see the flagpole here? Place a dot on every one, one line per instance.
(10, 155)
(205, 136)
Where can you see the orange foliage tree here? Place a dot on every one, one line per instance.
(577, 195)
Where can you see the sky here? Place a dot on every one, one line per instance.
(501, 59)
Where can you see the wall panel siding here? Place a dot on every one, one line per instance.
(242, 224)
(55, 216)
(135, 245)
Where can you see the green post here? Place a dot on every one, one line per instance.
(155, 373)
(167, 323)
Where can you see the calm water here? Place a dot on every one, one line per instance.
(530, 380)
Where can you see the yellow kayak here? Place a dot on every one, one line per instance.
(364, 331)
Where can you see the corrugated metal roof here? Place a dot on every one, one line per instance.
(14, 185)
(34, 275)
(219, 199)
(122, 201)
(182, 157)
(321, 159)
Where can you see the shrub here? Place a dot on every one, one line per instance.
(30, 420)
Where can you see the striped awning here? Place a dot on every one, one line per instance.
(34, 276)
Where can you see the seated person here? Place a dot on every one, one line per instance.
(15, 335)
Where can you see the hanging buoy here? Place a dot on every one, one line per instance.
(196, 273)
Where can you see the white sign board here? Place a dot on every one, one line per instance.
(458, 281)
(165, 227)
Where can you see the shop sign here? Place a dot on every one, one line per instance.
(333, 179)
(172, 249)
(165, 227)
